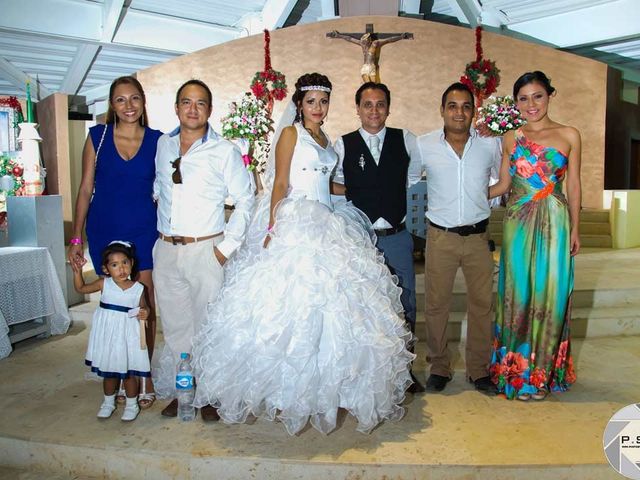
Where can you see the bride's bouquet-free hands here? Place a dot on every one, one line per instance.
(498, 116)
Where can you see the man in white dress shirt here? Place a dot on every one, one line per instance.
(459, 164)
(376, 166)
(196, 170)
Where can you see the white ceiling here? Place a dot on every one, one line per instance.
(79, 46)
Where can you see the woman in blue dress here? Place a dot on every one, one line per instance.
(115, 196)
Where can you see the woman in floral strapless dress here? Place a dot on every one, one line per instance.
(531, 352)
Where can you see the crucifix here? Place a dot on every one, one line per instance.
(371, 43)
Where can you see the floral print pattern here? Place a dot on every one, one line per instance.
(531, 346)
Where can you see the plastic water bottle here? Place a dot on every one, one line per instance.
(185, 389)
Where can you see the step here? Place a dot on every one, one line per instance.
(594, 215)
(586, 240)
(586, 215)
(581, 299)
(585, 323)
(605, 322)
(595, 228)
(586, 228)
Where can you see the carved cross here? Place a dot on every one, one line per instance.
(371, 42)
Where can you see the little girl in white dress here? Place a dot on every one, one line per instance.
(309, 319)
(117, 349)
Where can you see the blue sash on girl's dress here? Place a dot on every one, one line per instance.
(117, 308)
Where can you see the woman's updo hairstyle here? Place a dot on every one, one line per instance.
(308, 80)
(533, 77)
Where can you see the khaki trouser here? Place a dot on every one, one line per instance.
(446, 252)
(186, 278)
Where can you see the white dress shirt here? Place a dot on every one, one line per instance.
(212, 170)
(415, 165)
(457, 187)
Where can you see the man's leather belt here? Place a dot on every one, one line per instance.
(180, 240)
(465, 230)
(383, 232)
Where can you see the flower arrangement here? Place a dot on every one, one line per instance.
(249, 120)
(499, 116)
(482, 76)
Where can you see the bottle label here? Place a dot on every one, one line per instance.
(184, 381)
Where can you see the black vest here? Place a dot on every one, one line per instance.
(378, 190)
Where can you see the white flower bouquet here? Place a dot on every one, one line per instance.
(499, 116)
(249, 120)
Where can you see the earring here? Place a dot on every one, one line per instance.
(142, 119)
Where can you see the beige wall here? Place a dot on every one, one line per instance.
(53, 120)
(416, 71)
(78, 131)
(624, 215)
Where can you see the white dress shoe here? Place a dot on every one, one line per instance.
(130, 412)
(106, 409)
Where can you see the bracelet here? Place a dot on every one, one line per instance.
(270, 229)
(75, 241)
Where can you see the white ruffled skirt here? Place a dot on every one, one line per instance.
(308, 325)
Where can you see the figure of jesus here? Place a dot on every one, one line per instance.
(371, 46)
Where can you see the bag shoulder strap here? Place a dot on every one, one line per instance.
(104, 133)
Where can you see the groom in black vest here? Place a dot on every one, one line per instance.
(376, 165)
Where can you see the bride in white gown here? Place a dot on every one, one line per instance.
(309, 319)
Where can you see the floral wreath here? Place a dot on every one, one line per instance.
(269, 84)
(12, 168)
(481, 76)
(260, 87)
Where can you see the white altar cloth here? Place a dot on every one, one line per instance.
(29, 289)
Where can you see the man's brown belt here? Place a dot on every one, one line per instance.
(180, 240)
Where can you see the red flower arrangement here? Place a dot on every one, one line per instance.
(260, 87)
(481, 76)
(269, 84)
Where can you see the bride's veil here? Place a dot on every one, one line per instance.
(260, 218)
(286, 120)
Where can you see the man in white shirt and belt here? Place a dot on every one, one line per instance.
(459, 164)
(376, 165)
(196, 170)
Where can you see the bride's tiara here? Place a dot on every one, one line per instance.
(322, 88)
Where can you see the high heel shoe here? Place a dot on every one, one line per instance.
(540, 394)
(145, 400)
